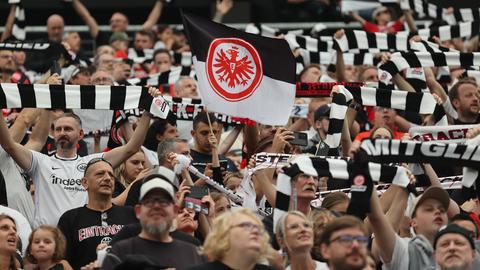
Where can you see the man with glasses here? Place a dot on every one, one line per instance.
(96, 222)
(156, 212)
(57, 178)
(7, 66)
(344, 243)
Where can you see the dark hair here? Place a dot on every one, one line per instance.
(158, 127)
(201, 117)
(147, 33)
(159, 51)
(162, 27)
(12, 258)
(453, 92)
(341, 223)
(72, 115)
(60, 243)
(466, 216)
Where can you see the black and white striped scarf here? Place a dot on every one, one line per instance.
(402, 60)
(188, 108)
(325, 58)
(335, 168)
(425, 8)
(422, 103)
(448, 32)
(168, 77)
(102, 97)
(146, 55)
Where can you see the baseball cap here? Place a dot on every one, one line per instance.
(122, 36)
(378, 11)
(436, 193)
(322, 111)
(454, 228)
(157, 182)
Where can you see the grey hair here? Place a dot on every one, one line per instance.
(178, 85)
(163, 148)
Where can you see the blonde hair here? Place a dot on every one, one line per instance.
(120, 172)
(217, 243)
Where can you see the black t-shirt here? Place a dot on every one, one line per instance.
(458, 122)
(83, 230)
(133, 193)
(134, 229)
(216, 265)
(176, 254)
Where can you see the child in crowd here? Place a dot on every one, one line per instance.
(46, 249)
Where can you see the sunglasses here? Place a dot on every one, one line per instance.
(96, 160)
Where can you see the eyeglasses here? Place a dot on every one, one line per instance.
(249, 226)
(96, 160)
(151, 201)
(347, 240)
(294, 226)
(104, 218)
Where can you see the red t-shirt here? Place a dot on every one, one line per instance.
(363, 135)
(391, 27)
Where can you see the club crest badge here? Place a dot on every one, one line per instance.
(234, 68)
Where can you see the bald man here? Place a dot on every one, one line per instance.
(55, 26)
(118, 21)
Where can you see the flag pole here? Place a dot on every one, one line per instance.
(209, 121)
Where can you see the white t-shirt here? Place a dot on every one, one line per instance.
(23, 227)
(18, 197)
(58, 186)
(318, 266)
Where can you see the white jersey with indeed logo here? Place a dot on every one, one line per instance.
(58, 185)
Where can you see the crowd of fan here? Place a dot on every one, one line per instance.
(128, 207)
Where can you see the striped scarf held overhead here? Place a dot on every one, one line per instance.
(422, 103)
(168, 77)
(427, 8)
(335, 168)
(100, 97)
(402, 60)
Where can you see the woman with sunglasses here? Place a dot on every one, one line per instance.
(237, 241)
(295, 236)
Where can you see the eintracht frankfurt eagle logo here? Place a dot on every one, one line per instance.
(234, 69)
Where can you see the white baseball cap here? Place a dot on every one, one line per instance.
(157, 183)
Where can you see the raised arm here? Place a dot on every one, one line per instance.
(229, 140)
(86, 17)
(340, 64)
(153, 16)
(222, 8)
(40, 131)
(119, 154)
(357, 17)
(453, 207)
(9, 23)
(383, 230)
(19, 153)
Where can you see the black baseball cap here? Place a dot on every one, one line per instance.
(322, 111)
(454, 228)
